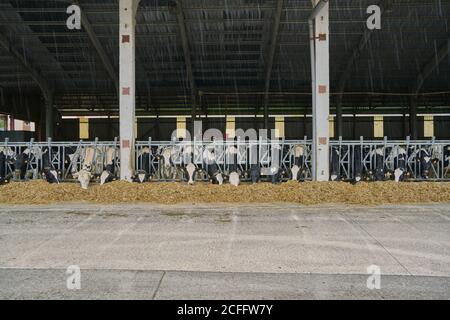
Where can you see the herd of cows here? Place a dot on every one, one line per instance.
(55, 164)
(228, 164)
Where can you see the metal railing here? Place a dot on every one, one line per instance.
(352, 159)
(437, 150)
(149, 156)
(164, 160)
(63, 157)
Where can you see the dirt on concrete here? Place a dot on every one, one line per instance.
(307, 193)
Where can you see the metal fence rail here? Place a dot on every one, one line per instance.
(350, 153)
(165, 160)
(149, 156)
(63, 157)
(348, 159)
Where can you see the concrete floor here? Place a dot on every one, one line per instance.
(225, 252)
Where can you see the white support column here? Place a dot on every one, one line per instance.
(321, 93)
(127, 44)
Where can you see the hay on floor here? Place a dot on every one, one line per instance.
(308, 193)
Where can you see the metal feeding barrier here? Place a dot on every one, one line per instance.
(348, 159)
(151, 156)
(63, 157)
(165, 160)
(423, 160)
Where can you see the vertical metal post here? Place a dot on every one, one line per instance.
(49, 119)
(413, 118)
(339, 122)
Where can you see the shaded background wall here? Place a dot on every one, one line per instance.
(295, 127)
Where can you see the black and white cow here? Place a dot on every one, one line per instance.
(424, 160)
(166, 166)
(446, 157)
(187, 162)
(69, 159)
(276, 174)
(357, 164)
(21, 165)
(298, 168)
(440, 155)
(51, 176)
(255, 173)
(85, 175)
(110, 161)
(48, 172)
(276, 171)
(378, 171)
(335, 164)
(233, 170)
(399, 156)
(3, 178)
(7, 158)
(142, 175)
(211, 166)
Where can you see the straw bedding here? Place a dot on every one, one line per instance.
(307, 193)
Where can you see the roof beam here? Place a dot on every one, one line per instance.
(317, 7)
(34, 72)
(431, 65)
(178, 9)
(271, 57)
(99, 48)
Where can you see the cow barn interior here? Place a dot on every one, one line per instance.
(224, 150)
(136, 71)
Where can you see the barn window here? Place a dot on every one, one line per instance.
(378, 127)
(181, 127)
(279, 127)
(331, 126)
(84, 128)
(231, 127)
(428, 126)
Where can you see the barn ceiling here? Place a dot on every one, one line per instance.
(229, 43)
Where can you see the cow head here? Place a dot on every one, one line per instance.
(295, 171)
(106, 177)
(234, 179)
(398, 174)
(299, 151)
(425, 163)
(141, 176)
(255, 173)
(219, 178)
(209, 157)
(190, 169)
(166, 156)
(84, 177)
